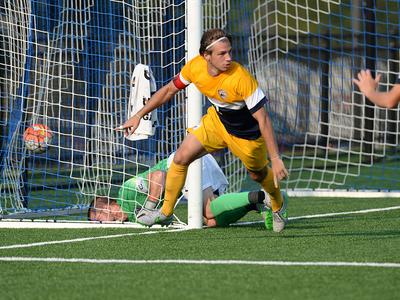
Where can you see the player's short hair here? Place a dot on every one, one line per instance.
(97, 203)
(211, 36)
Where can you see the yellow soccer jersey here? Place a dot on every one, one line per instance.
(234, 93)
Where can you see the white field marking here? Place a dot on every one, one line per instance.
(202, 262)
(184, 229)
(42, 224)
(343, 193)
(68, 224)
(364, 211)
(85, 239)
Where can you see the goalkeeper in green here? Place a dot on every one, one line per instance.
(146, 189)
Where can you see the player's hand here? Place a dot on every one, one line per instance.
(365, 82)
(278, 170)
(130, 125)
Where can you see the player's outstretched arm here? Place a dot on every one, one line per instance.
(368, 86)
(162, 96)
(277, 166)
(156, 185)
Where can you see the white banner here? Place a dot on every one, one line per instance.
(142, 87)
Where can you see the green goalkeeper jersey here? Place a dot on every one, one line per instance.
(134, 191)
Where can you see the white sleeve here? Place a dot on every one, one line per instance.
(170, 159)
(212, 176)
(254, 99)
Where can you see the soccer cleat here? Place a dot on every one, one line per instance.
(266, 213)
(275, 221)
(280, 218)
(149, 217)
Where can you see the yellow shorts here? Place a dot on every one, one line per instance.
(212, 134)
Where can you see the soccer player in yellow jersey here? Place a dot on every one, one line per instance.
(237, 119)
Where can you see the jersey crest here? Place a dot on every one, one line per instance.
(223, 94)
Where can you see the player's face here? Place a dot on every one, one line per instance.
(220, 58)
(109, 213)
(102, 215)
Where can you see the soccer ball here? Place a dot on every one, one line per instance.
(37, 138)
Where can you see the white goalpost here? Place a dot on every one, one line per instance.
(69, 66)
(195, 111)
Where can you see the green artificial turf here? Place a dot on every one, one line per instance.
(367, 237)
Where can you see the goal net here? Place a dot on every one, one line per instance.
(69, 65)
(305, 54)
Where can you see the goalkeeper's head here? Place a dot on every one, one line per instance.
(210, 38)
(105, 209)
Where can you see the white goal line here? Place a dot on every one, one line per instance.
(183, 229)
(330, 193)
(65, 224)
(203, 262)
(56, 224)
(17, 246)
(363, 211)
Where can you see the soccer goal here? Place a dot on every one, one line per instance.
(68, 65)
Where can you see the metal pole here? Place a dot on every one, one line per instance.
(370, 63)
